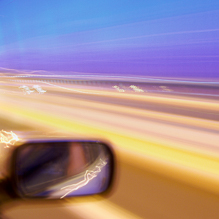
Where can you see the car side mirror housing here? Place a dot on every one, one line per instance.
(61, 169)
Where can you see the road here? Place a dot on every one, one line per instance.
(166, 147)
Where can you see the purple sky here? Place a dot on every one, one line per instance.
(159, 39)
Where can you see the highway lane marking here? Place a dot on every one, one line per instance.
(199, 170)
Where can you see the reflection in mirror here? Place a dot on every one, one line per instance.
(62, 169)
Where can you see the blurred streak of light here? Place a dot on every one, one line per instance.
(39, 89)
(8, 138)
(88, 176)
(9, 69)
(192, 167)
(165, 88)
(183, 120)
(136, 89)
(122, 77)
(136, 37)
(26, 89)
(174, 101)
(65, 88)
(118, 89)
(66, 124)
(98, 75)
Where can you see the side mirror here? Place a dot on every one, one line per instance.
(60, 169)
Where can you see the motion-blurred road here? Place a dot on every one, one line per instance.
(166, 146)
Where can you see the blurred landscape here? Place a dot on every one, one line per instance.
(164, 132)
(140, 75)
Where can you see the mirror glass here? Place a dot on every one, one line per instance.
(62, 169)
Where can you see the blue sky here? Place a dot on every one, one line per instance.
(166, 38)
